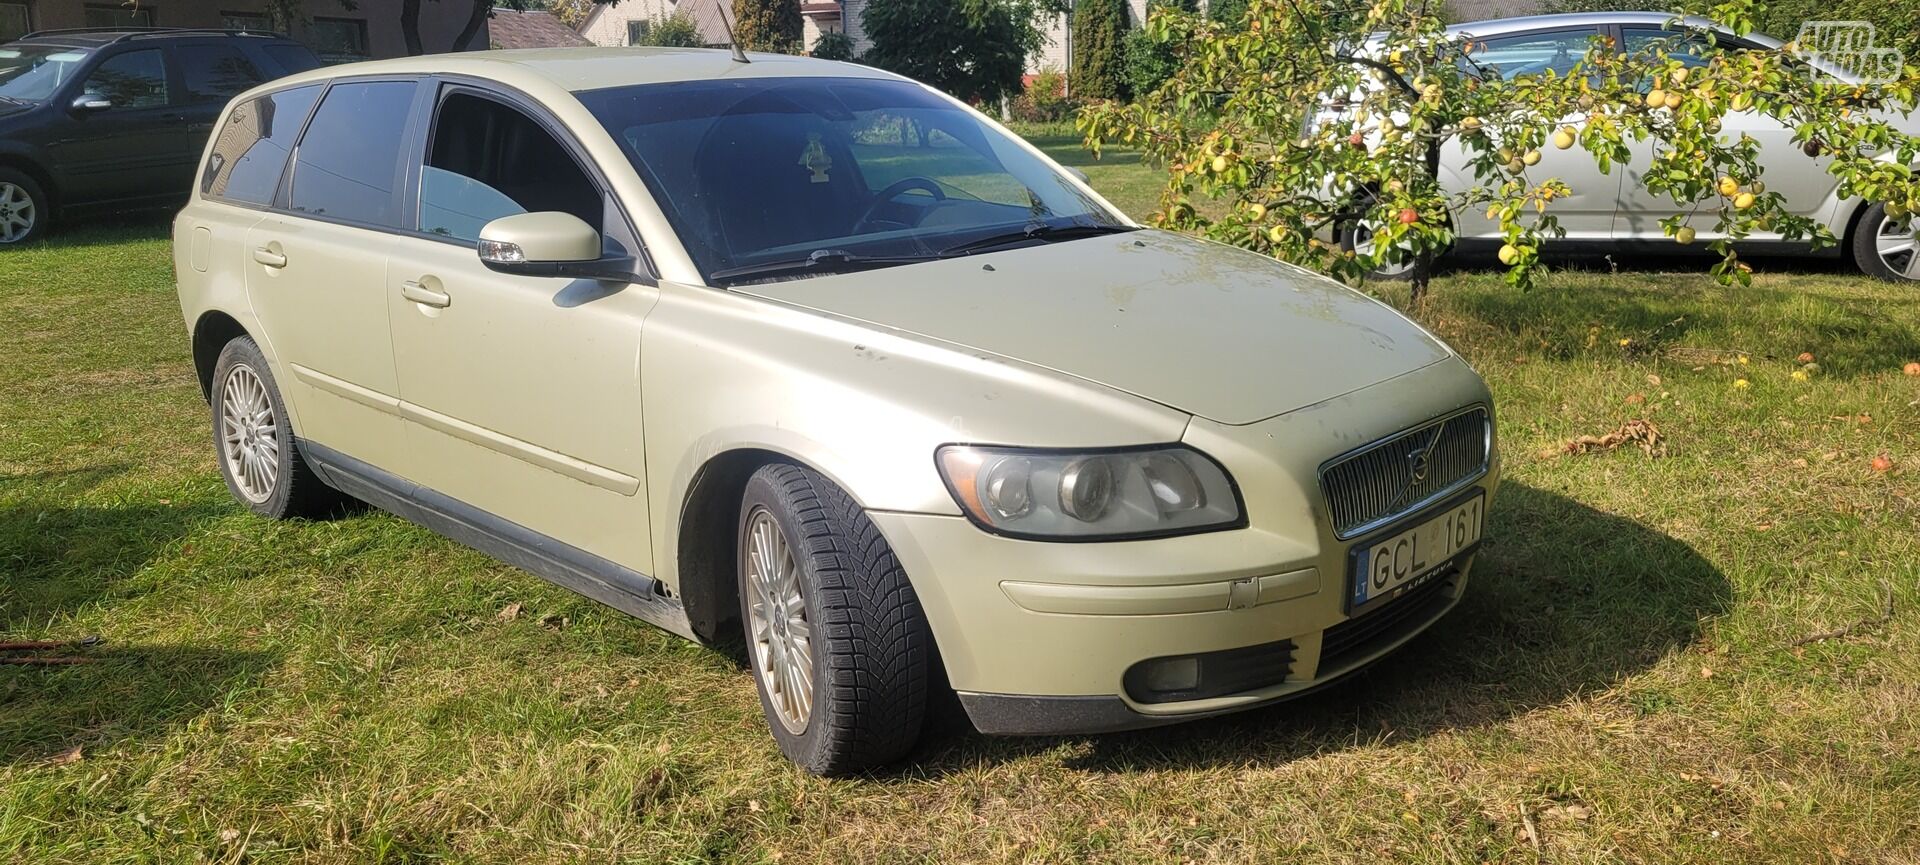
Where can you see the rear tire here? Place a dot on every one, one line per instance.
(254, 442)
(838, 644)
(1884, 247)
(24, 214)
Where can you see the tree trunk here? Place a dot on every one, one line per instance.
(410, 27)
(1423, 272)
(475, 19)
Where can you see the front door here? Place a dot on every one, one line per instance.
(1587, 214)
(317, 275)
(522, 394)
(135, 148)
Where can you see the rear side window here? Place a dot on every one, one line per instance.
(348, 160)
(293, 58)
(488, 160)
(135, 79)
(252, 148)
(216, 73)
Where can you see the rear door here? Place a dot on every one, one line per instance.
(522, 393)
(316, 270)
(212, 72)
(1801, 179)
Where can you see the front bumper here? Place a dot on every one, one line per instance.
(1038, 637)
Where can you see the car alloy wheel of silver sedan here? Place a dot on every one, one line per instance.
(1894, 241)
(782, 635)
(17, 214)
(249, 433)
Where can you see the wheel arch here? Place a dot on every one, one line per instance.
(705, 550)
(211, 333)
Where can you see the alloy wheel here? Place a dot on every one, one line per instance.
(782, 635)
(1392, 266)
(1894, 242)
(249, 434)
(17, 214)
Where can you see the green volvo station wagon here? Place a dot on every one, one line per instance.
(811, 357)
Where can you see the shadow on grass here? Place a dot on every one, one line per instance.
(1564, 601)
(59, 558)
(1850, 330)
(122, 694)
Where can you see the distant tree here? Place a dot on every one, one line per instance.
(1148, 62)
(768, 25)
(676, 29)
(974, 49)
(833, 46)
(1099, 34)
(1230, 12)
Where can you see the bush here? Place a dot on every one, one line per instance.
(1149, 62)
(1099, 29)
(1044, 100)
(833, 46)
(676, 29)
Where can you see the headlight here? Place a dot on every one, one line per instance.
(1091, 495)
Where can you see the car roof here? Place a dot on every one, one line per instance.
(1503, 26)
(580, 69)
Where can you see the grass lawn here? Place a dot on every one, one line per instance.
(1632, 677)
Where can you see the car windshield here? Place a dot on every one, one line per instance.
(775, 177)
(33, 73)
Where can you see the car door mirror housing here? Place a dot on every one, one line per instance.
(88, 103)
(1077, 173)
(549, 244)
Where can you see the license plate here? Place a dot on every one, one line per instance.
(1386, 567)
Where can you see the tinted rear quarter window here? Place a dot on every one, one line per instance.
(348, 160)
(216, 73)
(252, 148)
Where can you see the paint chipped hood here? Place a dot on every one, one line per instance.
(1223, 333)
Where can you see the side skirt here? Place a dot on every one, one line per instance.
(566, 566)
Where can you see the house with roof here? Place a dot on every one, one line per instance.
(626, 22)
(531, 29)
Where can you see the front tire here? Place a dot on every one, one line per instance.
(24, 214)
(839, 647)
(254, 442)
(1883, 247)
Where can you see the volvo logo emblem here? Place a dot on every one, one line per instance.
(1419, 466)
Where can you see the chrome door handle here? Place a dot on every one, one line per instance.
(268, 257)
(425, 296)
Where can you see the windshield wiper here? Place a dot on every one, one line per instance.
(1035, 231)
(819, 261)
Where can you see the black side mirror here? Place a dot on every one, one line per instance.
(88, 103)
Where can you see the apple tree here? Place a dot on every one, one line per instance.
(1306, 117)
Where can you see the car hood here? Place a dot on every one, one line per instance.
(11, 108)
(1226, 334)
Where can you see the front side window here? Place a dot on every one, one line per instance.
(33, 73)
(135, 79)
(347, 161)
(252, 148)
(757, 173)
(216, 73)
(1530, 53)
(487, 160)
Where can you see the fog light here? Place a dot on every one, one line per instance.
(1171, 674)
